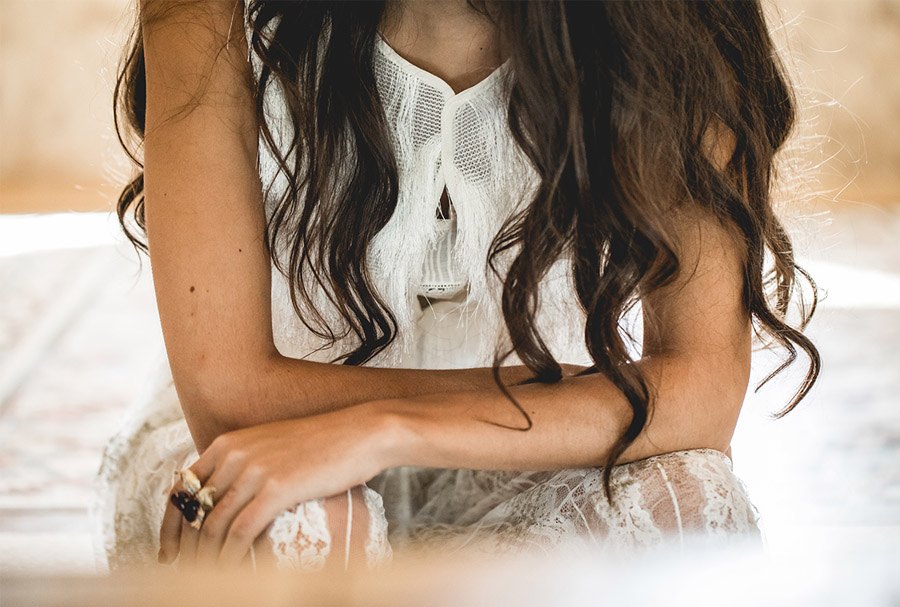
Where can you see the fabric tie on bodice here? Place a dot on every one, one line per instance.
(442, 139)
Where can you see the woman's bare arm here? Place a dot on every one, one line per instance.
(205, 226)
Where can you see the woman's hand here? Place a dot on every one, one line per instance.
(260, 471)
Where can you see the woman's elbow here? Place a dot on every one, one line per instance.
(214, 396)
(703, 400)
(724, 399)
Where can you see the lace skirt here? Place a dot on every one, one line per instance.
(668, 497)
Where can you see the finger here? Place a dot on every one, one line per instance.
(169, 534)
(189, 537)
(218, 521)
(211, 458)
(263, 552)
(248, 525)
(235, 494)
(188, 546)
(170, 530)
(204, 467)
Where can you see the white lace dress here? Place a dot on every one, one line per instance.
(447, 312)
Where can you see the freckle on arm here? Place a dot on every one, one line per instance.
(192, 288)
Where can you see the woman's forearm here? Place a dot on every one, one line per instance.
(575, 422)
(283, 388)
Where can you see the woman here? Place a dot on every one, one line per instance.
(395, 248)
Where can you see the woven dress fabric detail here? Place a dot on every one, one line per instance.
(442, 277)
(432, 271)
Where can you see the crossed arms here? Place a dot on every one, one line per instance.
(205, 224)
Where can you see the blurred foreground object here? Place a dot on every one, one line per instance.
(732, 574)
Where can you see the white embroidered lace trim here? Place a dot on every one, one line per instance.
(378, 549)
(301, 537)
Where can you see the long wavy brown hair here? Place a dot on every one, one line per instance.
(610, 101)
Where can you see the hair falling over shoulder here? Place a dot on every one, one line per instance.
(612, 102)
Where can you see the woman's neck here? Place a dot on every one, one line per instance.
(447, 38)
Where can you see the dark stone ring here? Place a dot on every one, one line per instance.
(187, 504)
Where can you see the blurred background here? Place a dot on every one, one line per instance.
(79, 332)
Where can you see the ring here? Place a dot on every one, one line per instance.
(205, 497)
(195, 501)
(189, 480)
(189, 507)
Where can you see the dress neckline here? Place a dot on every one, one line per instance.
(436, 80)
